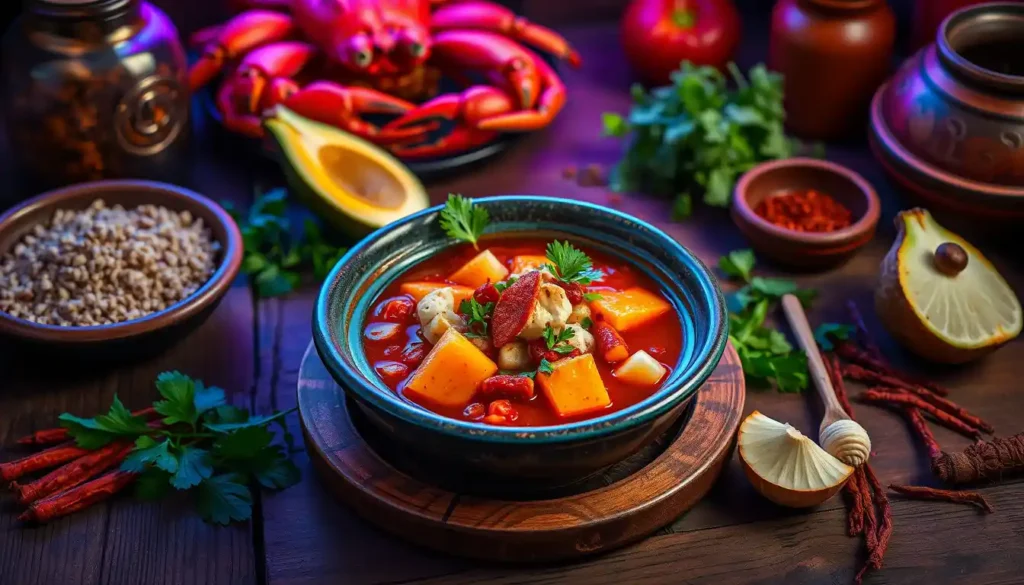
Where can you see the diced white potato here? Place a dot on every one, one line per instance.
(436, 312)
(581, 339)
(514, 356)
(551, 310)
(641, 369)
(579, 313)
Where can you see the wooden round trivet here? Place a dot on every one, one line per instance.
(624, 504)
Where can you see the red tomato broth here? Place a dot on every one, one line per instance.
(662, 339)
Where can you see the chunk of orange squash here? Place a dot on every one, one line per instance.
(481, 269)
(418, 290)
(451, 372)
(574, 387)
(521, 264)
(630, 308)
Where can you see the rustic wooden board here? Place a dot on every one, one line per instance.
(590, 519)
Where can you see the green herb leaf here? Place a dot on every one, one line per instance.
(207, 397)
(194, 465)
(150, 452)
(152, 484)
(255, 421)
(92, 433)
(179, 392)
(682, 207)
(552, 339)
(223, 499)
(276, 471)
(570, 264)
(545, 367)
(591, 297)
(738, 264)
(463, 220)
(827, 333)
(614, 124)
(242, 443)
(476, 315)
(586, 323)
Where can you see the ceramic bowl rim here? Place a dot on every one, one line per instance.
(851, 233)
(216, 286)
(646, 410)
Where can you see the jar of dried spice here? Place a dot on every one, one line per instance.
(94, 89)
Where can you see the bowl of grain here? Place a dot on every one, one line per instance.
(113, 268)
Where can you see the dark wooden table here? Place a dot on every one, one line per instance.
(301, 536)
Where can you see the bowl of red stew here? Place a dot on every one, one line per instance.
(805, 213)
(522, 340)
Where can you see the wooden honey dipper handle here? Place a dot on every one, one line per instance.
(805, 338)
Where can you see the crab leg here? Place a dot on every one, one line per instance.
(342, 107)
(262, 80)
(466, 109)
(491, 17)
(239, 35)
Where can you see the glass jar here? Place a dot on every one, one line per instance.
(833, 55)
(94, 89)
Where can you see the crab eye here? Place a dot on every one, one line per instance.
(362, 58)
(416, 49)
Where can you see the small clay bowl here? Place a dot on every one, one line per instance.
(138, 337)
(805, 250)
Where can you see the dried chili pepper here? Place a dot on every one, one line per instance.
(862, 374)
(981, 461)
(855, 512)
(73, 473)
(884, 527)
(920, 427)
(54, 436)
(51, 457)
(77, 498)
(929, 493)
(804, 211)
(851, 352)
(902, 398)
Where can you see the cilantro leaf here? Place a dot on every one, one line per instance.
(545, 367)
(571, 264)
(150, 452)
(826, 333)
(179, 391)
(773, 287)
(614, 124)
(682, 207)
(463, 220)
(591, 297)
(788, 373)
(207, 397)
(586, 323)
(256, 421)
(226, 414)
(738, 264)
(194, 466)
(152, 484)
(92, 433)
(243, 443)
(476, 315)
(552, 339)
(275, 470)
(223, 499)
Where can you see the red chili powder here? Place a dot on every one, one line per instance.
(804, 211)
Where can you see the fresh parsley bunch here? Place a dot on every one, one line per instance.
(698, 134)
(203, 445)
(766, 354)
(274, 258)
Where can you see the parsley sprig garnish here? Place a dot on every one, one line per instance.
(556, 342)
(766, 354)
(476, 316)
(463, 220)
(274, 256)
(570, 264)
(204, 446)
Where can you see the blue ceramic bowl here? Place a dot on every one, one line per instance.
(521, 456)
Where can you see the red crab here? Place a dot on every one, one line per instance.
(335, 61)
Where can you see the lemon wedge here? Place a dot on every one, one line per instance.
(939, 296)
(785, 465)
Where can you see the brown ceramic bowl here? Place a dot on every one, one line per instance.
(803, 250)
(140, 336)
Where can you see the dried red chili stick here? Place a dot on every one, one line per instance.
(982, 461)
(885, 526)
(833, 366)
(851, 352)
(867, 502)
(862, 374)
(922, 431)
(54, 436)
(73, 473)
(51, 457)
(855, 513)
(905, 399)
(915, 492)
(77, 498)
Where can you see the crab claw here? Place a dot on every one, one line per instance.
(343, 107)
(240, 34)
(466, 109)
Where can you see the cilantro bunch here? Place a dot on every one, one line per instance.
(766, 354)
(274, 258)
(202, 445)
(698, 135)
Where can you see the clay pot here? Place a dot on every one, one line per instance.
(929, 14)
(833, 55)
(949, 125)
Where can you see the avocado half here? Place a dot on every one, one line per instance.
(353, 184)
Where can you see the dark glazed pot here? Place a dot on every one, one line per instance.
(522, 458)
(833, 55)
(949, 126)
